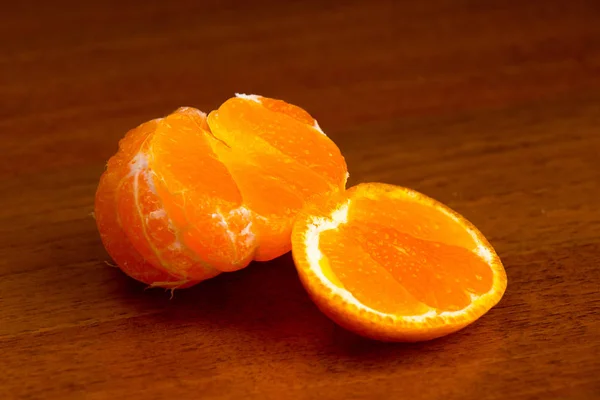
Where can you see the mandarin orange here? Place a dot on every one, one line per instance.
(392, 264)
(189, 196)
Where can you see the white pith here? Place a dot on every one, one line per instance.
(318, 128)
(139, 163)
(193, 110)
(246, 232)
(157, 214)
(140, 166)
(252, 97)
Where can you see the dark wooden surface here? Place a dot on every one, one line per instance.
(492, 107)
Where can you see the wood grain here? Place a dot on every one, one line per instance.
(491, 107)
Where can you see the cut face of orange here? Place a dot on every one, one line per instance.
(188, 196)
(392, 264)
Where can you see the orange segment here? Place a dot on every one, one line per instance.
(280, 106)
(112, 234)
(369, 282)
(413, 218)
(147, 225)
(198, 191)
(181, 154)
(291, 132)
(393, 264)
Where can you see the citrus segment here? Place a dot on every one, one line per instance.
(197, 189)
(181, 154)
(288, 109)
(368, 282)
(112, 234)
(412, 218)
(147, 225)
(284, 128)
(393, 264)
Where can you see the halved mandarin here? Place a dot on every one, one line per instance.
(189, 196)
(392, 264)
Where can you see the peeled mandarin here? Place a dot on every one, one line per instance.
(189, 196)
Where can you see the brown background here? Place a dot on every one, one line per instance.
(492, 107)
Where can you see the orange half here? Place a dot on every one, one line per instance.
(392, 264)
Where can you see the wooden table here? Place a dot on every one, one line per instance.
(491, 107)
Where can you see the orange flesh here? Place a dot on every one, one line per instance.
(187, 197)
(286, 131)
(236, 159)
(198, 192)
(295, 112)
(115, 239)
(401, 257)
